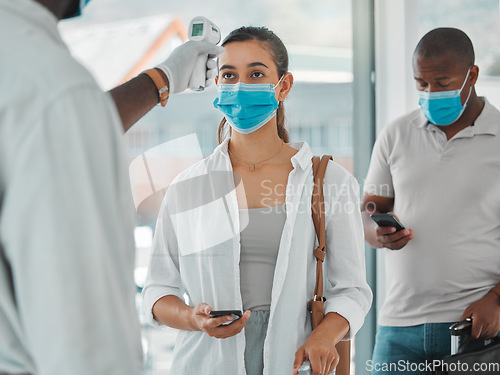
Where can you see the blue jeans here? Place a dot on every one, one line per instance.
(255, 334)
(410, 350)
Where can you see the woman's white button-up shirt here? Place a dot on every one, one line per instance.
(196, 254)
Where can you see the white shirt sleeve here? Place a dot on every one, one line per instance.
(379, 178)
(163, 271)
(347, 292)
(67, 231)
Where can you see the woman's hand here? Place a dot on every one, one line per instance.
(202, 321)
(319, 350)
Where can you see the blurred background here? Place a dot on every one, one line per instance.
(351, 60)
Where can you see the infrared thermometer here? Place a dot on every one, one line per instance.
(201, 29)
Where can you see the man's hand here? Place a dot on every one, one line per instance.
(485, 315)
(213, 327)
(382, 236)
(389, 238)
(320, 351)
(180, 64)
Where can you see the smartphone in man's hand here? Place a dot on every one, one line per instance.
(387, 220)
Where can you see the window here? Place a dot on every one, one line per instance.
(480, 21)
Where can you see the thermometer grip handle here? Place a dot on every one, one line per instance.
(199, 75)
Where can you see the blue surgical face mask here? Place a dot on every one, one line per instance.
(78, 12)
(443, 107)
(247, 107)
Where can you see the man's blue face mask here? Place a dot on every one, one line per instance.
(443, 107)
(247, 107)
(78, 12)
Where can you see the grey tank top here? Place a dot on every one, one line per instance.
(260, 241)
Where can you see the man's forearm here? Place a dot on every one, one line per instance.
(370, 228)
(496, 290)
(134, 99)
(138, 96)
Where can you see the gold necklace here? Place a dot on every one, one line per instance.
(251, 166)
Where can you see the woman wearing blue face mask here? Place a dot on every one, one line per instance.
(235, 232)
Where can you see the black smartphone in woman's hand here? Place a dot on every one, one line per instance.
(217, 313)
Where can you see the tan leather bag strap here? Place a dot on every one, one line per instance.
(318, 215)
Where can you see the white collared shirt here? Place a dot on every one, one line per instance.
(448, 192)
(67, 293)
(196, 251)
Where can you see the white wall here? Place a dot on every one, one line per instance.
(490, 88)
(396, 25)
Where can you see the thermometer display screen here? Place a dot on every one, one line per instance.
(197, 29)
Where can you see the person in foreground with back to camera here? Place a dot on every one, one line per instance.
(438, 169)
(67, 293)
(252, 248)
